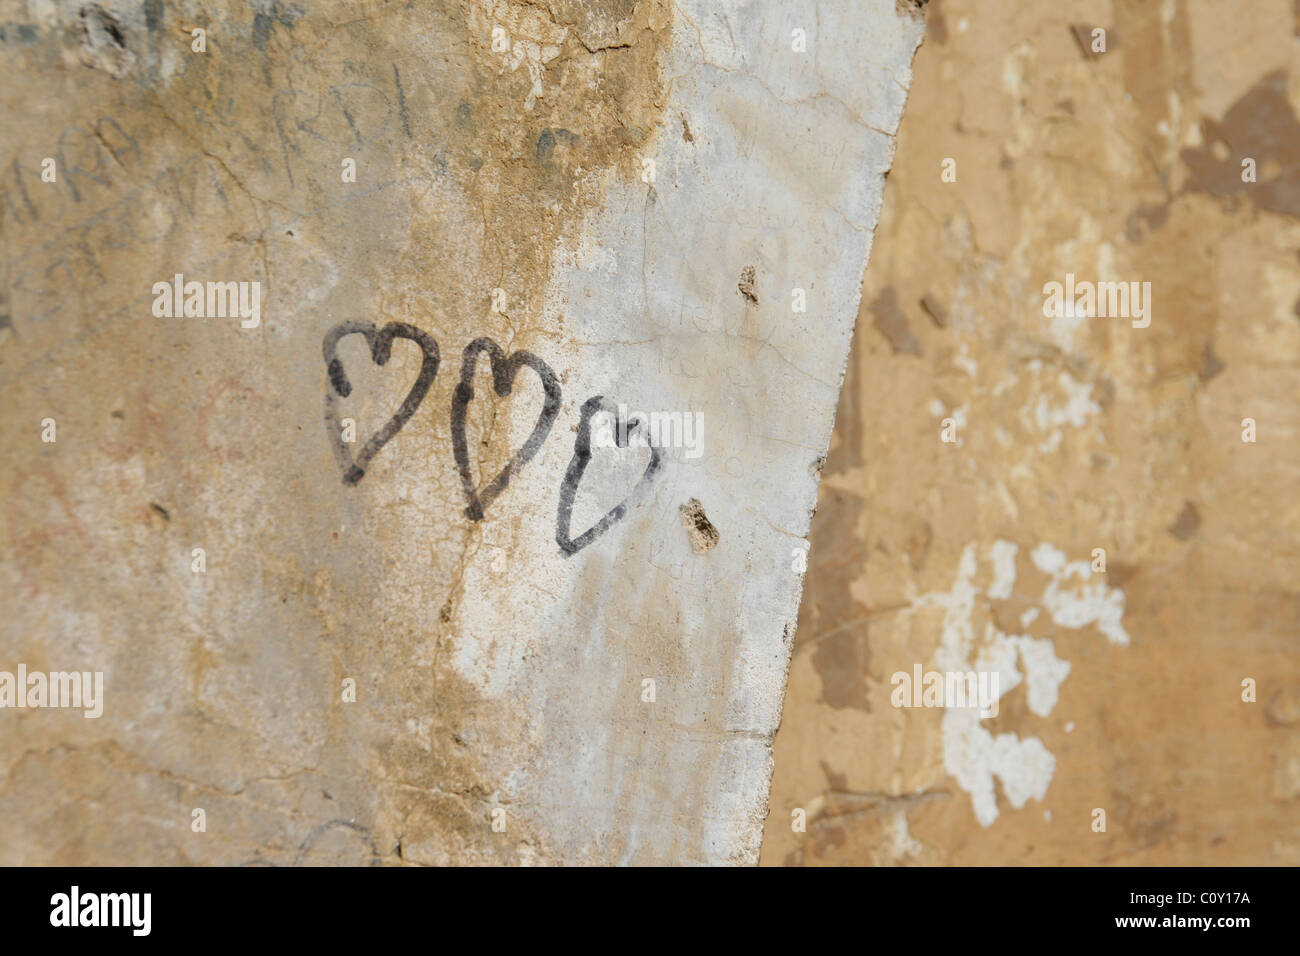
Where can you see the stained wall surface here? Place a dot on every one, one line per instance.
(1164, 691)
(353, 598)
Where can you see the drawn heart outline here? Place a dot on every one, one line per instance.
(381, 348)
(504, 370)
(573, 476)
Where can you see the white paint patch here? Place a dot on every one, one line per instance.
(1084, 604)
(1044, 672)
(1076, 410)
(971, 753)
(1049, 560)
(1048, 418)
(1064, 326)
(1003, 554)
(999, 654)
(974, 756)
(964, 362)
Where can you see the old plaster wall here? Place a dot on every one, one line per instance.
(630, 191)
(1122, 691)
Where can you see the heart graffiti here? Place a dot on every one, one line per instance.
(573, 476)
(505, 369)
(381, 347)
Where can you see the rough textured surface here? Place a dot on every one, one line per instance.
(630, 191)
(1073, 434)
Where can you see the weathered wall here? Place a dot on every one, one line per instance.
(646, 184)
(1122, 691)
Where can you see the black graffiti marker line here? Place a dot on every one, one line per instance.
(504, 370)
(578, 464)
(381, 347)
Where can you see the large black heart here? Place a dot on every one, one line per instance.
(381, 347)
(504, 370)
(578, 465)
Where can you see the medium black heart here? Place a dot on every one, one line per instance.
(381, 347)
(504, 370)
(578, 465)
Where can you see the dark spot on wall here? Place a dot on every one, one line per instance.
(1185, 525)
(103, 42)
(401, 102)
(1118, 573)
(746, 285)
(1212, 367)
(22, 32)
(831, 837)
(1145, 219)
(836, 781)
(261, 29)
(847, 439)
(1143, 818)
(935, 310)
(153, 15)
(935, 25)
(918, 545)
(890, 323)
(267, 18)
(559, 155)
(1262, 126)
(549, 140)
(912, 8)
(837, 558)
(841, 660)
(699, 529)
(113, 28)
(1105, 393)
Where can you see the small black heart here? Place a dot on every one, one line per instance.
(578, 465)
(504, 370)
(381, 347)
